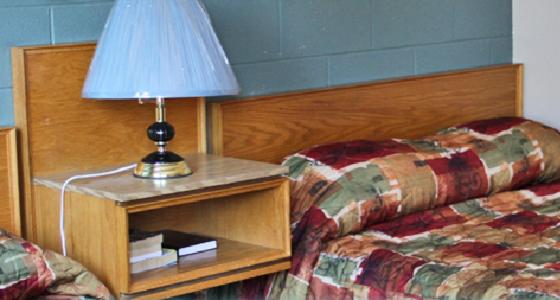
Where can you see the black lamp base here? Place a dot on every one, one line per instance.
(162, 165)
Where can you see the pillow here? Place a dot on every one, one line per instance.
(23, 272)
(358, 183)
(26, 271)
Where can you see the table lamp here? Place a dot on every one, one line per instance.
(157, 49)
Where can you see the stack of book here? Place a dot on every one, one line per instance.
(151, 250)
(146, 252)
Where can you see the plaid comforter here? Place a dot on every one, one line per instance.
(393, 219)
(27, 271)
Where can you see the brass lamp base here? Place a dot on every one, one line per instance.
(162, 170)
(160, 165)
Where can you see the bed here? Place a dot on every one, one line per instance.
(469, 211)
(26, 270)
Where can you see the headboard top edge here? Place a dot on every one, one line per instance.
(55, 47)
(395, 80)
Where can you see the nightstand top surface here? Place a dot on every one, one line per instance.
(208, 171)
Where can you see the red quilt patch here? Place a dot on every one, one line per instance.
(529, 221)
(340, 155)
(474, 249)
(493, 126)
(385, 270)
(545, 189)
(525, 174)
(313, 229)
(462, 176)
(419, 222)
(555, 266)
(326, 291)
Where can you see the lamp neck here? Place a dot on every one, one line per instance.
(160, 109)
(161, 132)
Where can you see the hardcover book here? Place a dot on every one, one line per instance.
(144, 245)
(169, 256)
(187, 243)
(139, 254)
(143, 239)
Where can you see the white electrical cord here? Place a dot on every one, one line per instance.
(82, 176)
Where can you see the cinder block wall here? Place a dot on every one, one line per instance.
(283, 45)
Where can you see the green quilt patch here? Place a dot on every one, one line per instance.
(521, 295)
(541, 256)
(551, 208)
(428, 278)
(509, 148)
(432, 241)
(359, 184)
(473, 209)
(339, 270)
(13, 266)
(296, 166)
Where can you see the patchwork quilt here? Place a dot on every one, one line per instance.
(393, 219)
(27, 271)
(506, 246)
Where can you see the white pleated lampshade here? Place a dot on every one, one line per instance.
(159, 48)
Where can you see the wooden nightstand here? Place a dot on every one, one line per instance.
(244, 204)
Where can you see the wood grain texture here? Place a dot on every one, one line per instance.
(229, 256)
(270, 128)
(173, 200)
(62, 132)
(96, 233)
(209, 171)
(217, 135)
(519, 91)
(24, 163)
(205, 283)
(9, 185)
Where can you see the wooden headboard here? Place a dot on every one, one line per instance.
(9, 191)
(60, 132)
(269, 128)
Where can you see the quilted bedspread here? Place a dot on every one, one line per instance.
(27, 271)
(437, 218)
(502, 247)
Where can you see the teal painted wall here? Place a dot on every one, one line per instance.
(283, 45)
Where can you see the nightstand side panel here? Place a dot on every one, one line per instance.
(283, 211)
(46, 215)
(96, 233)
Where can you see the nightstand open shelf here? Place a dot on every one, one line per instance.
(244, 218)
(246, 209)
(229, 256)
